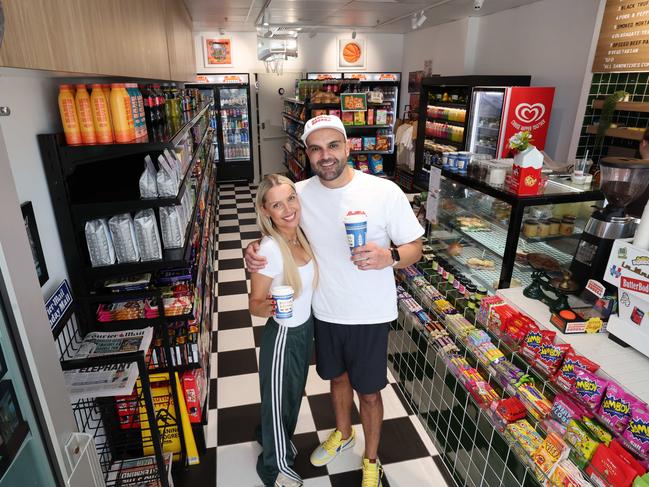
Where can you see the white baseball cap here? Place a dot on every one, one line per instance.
(323, 122)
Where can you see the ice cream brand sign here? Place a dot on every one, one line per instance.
(529, 116)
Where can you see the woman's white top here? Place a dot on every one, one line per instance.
(274, 269)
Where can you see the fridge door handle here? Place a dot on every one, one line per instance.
(263, 125)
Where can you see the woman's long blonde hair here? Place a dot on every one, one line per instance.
(267, 227)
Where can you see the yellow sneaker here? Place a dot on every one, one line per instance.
(372, 473)
(331, 448)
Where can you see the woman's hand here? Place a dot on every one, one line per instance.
(268, 307)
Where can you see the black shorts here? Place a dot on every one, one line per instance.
(359, 350)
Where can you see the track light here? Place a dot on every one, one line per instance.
(221, 31)
(422, 19)
(413, 21)
(477, 4)
(353, 34)
(265, 18)
(312, 34)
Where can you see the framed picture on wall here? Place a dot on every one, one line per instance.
(217, 52)
(351, 54)
(13, 428)
(34, 242)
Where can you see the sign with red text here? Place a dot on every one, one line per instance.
(623, 43)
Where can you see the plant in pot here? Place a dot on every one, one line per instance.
(528, 162)
(606, 115)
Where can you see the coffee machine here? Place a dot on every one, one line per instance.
(622, 180)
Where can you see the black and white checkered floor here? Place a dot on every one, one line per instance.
(408, 456)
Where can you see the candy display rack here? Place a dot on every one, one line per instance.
(101, 181)
(425, 348)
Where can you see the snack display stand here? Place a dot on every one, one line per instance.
(172, 293)
(370, 130)
(467, 378)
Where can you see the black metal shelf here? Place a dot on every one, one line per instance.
(295, 139)
(171, 257)
(171, 135)
(367, 127)
(440, 140)
(446, 121)
(323, 105)
(292, 156)
(446, 104)
(370, 152)
(294, 100)
(87, 211)
(291, 117)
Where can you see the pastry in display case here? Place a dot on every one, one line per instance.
(487, 233)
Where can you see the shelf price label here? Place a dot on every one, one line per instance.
(353, 102)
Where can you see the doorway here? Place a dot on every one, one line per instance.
(272, 88)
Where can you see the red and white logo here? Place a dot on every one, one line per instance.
(530, 113)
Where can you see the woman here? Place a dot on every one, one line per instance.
(287, 343)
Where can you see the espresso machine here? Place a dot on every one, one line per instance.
(622, 180)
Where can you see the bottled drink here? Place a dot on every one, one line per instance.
(69, 118)
(100, 119)
(84, 111)
(159, 102)
(106, 89)
(122, 116)
(138, 119)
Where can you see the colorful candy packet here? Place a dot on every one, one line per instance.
(566, 375)
(589, 388)
(615, 410)
(549, 355)
(532, 342)
(637, 432)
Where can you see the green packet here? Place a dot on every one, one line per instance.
(641, 481)
(596, 429)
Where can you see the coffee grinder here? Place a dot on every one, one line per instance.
(622, 180)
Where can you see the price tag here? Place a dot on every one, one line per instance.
(432, 202)
(594, 325)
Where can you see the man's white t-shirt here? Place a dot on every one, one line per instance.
(346, 294)
(275, 270)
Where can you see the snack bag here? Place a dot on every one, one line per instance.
(356, 143)
(550, 452)
(347, 118)
(597, 430)
(637, 432)
(617, 448)
(363, 164)
(589, 388)
(359, 118)
(550, 356)
(376, 164)
(615, 410)
(567, 474)
(566, 376)
(369, 143)
(532, 342)
(148, 184)
(565, 409)
(583, 443)
(608, 468)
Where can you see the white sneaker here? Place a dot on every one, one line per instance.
(284, 481)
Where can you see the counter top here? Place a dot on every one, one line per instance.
(627, 366)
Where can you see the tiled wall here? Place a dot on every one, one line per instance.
(604, 84)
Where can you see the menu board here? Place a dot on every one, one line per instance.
(623, 43)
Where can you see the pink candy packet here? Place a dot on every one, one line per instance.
(637, 432)
(615, 409)
(589, 388)
(564, 409)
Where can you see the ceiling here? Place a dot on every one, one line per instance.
(380, 16)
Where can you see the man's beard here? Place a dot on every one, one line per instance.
(330, 173)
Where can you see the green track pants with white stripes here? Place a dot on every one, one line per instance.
(283, 367)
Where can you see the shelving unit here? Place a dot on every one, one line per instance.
(296, 112)
(181, 342)
(619, 132)
(627, 106)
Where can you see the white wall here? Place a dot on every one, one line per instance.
(549, 40)
(32, 97)
(444, 44)
(384, 53)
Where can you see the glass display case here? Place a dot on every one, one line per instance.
(486, 232)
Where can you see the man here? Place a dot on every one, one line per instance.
(355, 300)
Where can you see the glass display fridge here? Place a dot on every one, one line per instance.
(497, 113)
(231, 120)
